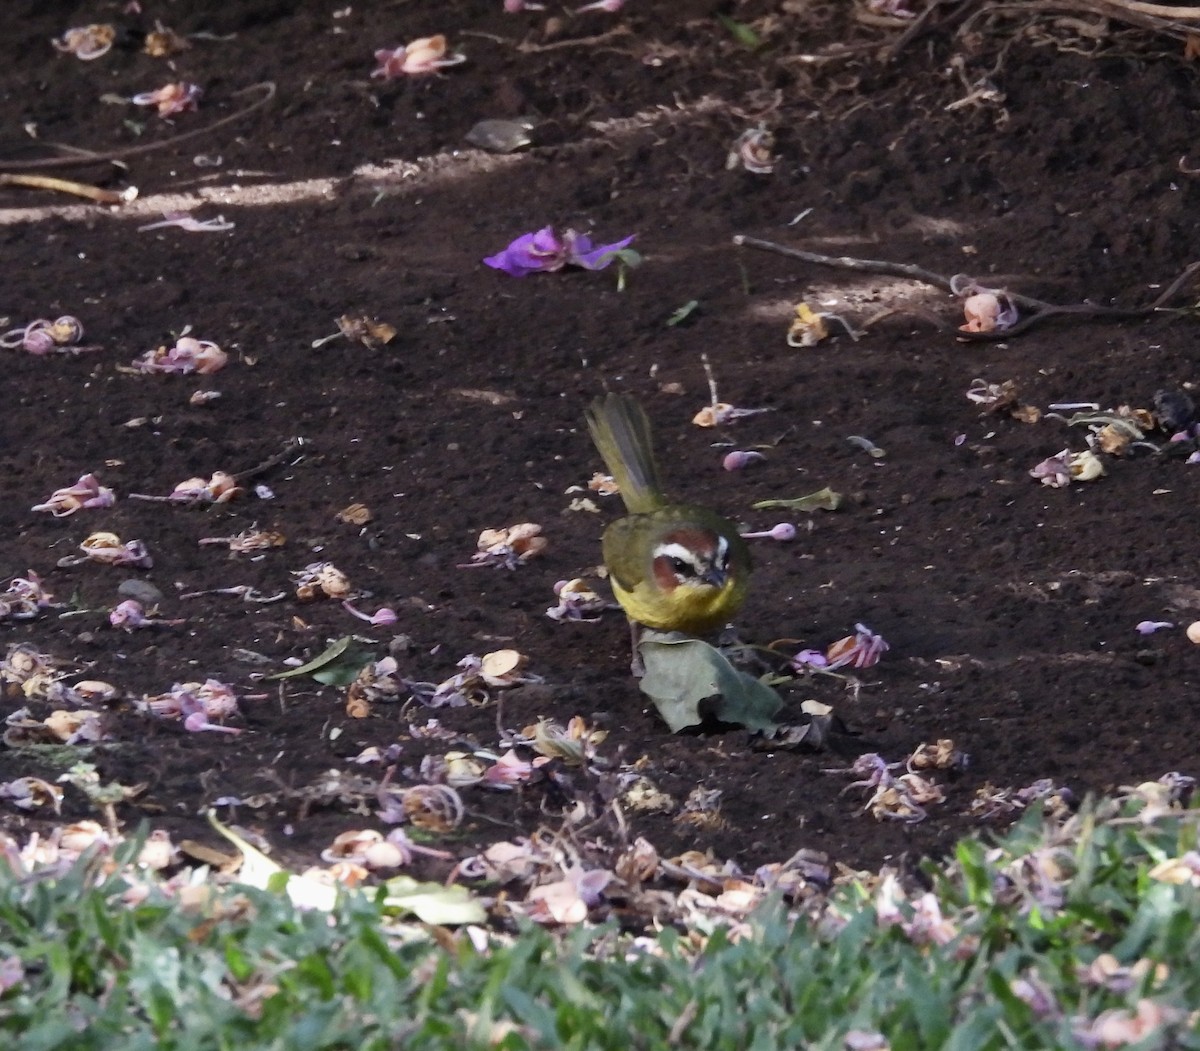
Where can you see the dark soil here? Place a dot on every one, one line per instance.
(1010, 607)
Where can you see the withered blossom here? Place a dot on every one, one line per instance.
(509, 771)
(321, 580)
(87, 43)
(860, 650)
(196, 705)
(171, 99)
(24, 598)
(163, 42)
(753, 151)
(567, 901)
(576, 602)
(417, 58)
(575, 744)
(986, 309)
(108, 549)
(219, 489)
(435, 808)
(362, 329)
(32, 793)
(722, 413)
(131, 614)
(186, 356)
(42, 336)
(85, 493)
(249, 540)
(508, 548)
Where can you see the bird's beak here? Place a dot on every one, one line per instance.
(716, 577)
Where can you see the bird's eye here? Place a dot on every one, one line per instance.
(683, 567)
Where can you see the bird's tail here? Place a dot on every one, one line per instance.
(621, 433)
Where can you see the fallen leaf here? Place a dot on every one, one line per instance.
(822, 500)
(682, 672)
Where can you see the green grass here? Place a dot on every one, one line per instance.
(246, 970)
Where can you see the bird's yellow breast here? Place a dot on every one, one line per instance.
(694, 609)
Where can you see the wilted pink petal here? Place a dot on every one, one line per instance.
(861, 650)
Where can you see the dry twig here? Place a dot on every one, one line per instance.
(80, 157)
(1039, 310)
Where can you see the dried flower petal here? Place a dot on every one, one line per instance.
(188, 355)
(85, 493)
(861, 650)
(419, 57)
(170, 98)
(87, 42)
(509, 548)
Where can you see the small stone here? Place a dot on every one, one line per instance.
(1193, 632)
(142, 590)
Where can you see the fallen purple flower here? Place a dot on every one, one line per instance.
(1149, 627)
(545, 252)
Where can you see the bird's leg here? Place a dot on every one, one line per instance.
(637, 667)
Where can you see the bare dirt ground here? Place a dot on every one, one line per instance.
(1041, 154)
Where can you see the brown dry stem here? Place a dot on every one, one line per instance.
(1039, 310)
(77, 189)
(80, 157)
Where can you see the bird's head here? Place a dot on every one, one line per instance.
(691, 558)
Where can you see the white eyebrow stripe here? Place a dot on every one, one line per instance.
(722, 552)
(682, 553)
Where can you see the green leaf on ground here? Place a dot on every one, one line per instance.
(678, 317)
(434, 902)
(682, 672)
(338, 665)
(741, 32)
(822, 500)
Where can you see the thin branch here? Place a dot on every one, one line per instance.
(1041, 310)
(82, 157)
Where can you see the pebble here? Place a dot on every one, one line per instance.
(1193, 632)
(142, 590)
(501, 136)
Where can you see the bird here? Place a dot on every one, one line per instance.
(672, 567)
